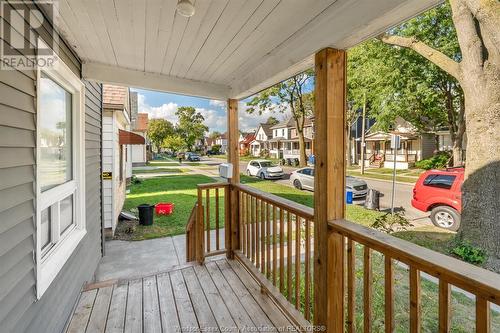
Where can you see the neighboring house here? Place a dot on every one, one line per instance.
(414, 146)
(208, 143)
(244, 141)
(356, 133)
(444, 141)
(261, 144)
(117, 156)
(285, 140)
(139, 126)
(221, 140)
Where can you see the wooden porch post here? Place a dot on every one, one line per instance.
(233, 157)
(329, 193)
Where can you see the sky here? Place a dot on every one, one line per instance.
(164, 105)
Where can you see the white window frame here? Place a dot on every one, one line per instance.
(49, 263)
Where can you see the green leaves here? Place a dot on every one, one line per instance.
(191, 125)
(398, 82)
(158, 130)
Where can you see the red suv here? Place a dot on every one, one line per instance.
(439, 191)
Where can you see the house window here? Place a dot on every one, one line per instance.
(60, 170)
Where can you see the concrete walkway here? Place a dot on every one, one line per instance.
(129, 259)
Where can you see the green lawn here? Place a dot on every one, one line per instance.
(179, 189)
(159, 170)
(354, 213)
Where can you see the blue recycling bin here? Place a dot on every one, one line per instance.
(348, 197)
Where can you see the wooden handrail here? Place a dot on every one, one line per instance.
(210, 186)
(468, 277)
(291, 206)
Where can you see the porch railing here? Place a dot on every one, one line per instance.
(205, 233)
(276, 237)
(276, 242)
(404, 256)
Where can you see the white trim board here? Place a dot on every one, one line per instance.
(153, 81)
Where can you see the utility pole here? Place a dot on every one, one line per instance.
(395, 145)
(363, 136)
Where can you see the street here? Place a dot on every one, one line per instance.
(403, 196)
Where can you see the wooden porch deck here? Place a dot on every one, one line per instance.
(216, 297)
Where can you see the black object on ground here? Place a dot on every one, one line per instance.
(372, 200)
(146, 213)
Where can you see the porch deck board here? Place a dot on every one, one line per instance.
(219, 296)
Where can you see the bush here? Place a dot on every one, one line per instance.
(438, 161)
(216, 149)
(469, 253)
(390, 223)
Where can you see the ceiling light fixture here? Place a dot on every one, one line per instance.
(185, 8)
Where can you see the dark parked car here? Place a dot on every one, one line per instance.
(192, 157)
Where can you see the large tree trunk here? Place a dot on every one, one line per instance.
(481, 188)
(478, 36)
(349, 147)
(302, 150)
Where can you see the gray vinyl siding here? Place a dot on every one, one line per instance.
(19, 309)
(428, 145)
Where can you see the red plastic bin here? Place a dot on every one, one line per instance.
(164, 208)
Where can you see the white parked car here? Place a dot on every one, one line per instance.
(304, 179)
(264, 169)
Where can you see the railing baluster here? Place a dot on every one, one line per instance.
(240, 219)
(482, 315)
(200, 247)
(389, 294)
(289, 257)
(263, 205)
(282, 250)
(248, 226)
(297, 261)
(351, 284)
(414, 300)
(252, 226)
(207, 193)
(367, 290)
(444, 306)
(307, 270)
(217, 240)
(275, 253)
(257, 233)
(268, 240)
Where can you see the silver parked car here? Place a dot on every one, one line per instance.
(304, 179)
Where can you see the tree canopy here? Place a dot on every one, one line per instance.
(174, 142)
(158, 130)
(292, 95)
(191, 125)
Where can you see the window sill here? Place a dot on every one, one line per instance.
(58, 256)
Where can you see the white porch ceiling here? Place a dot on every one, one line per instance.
(228, 49)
